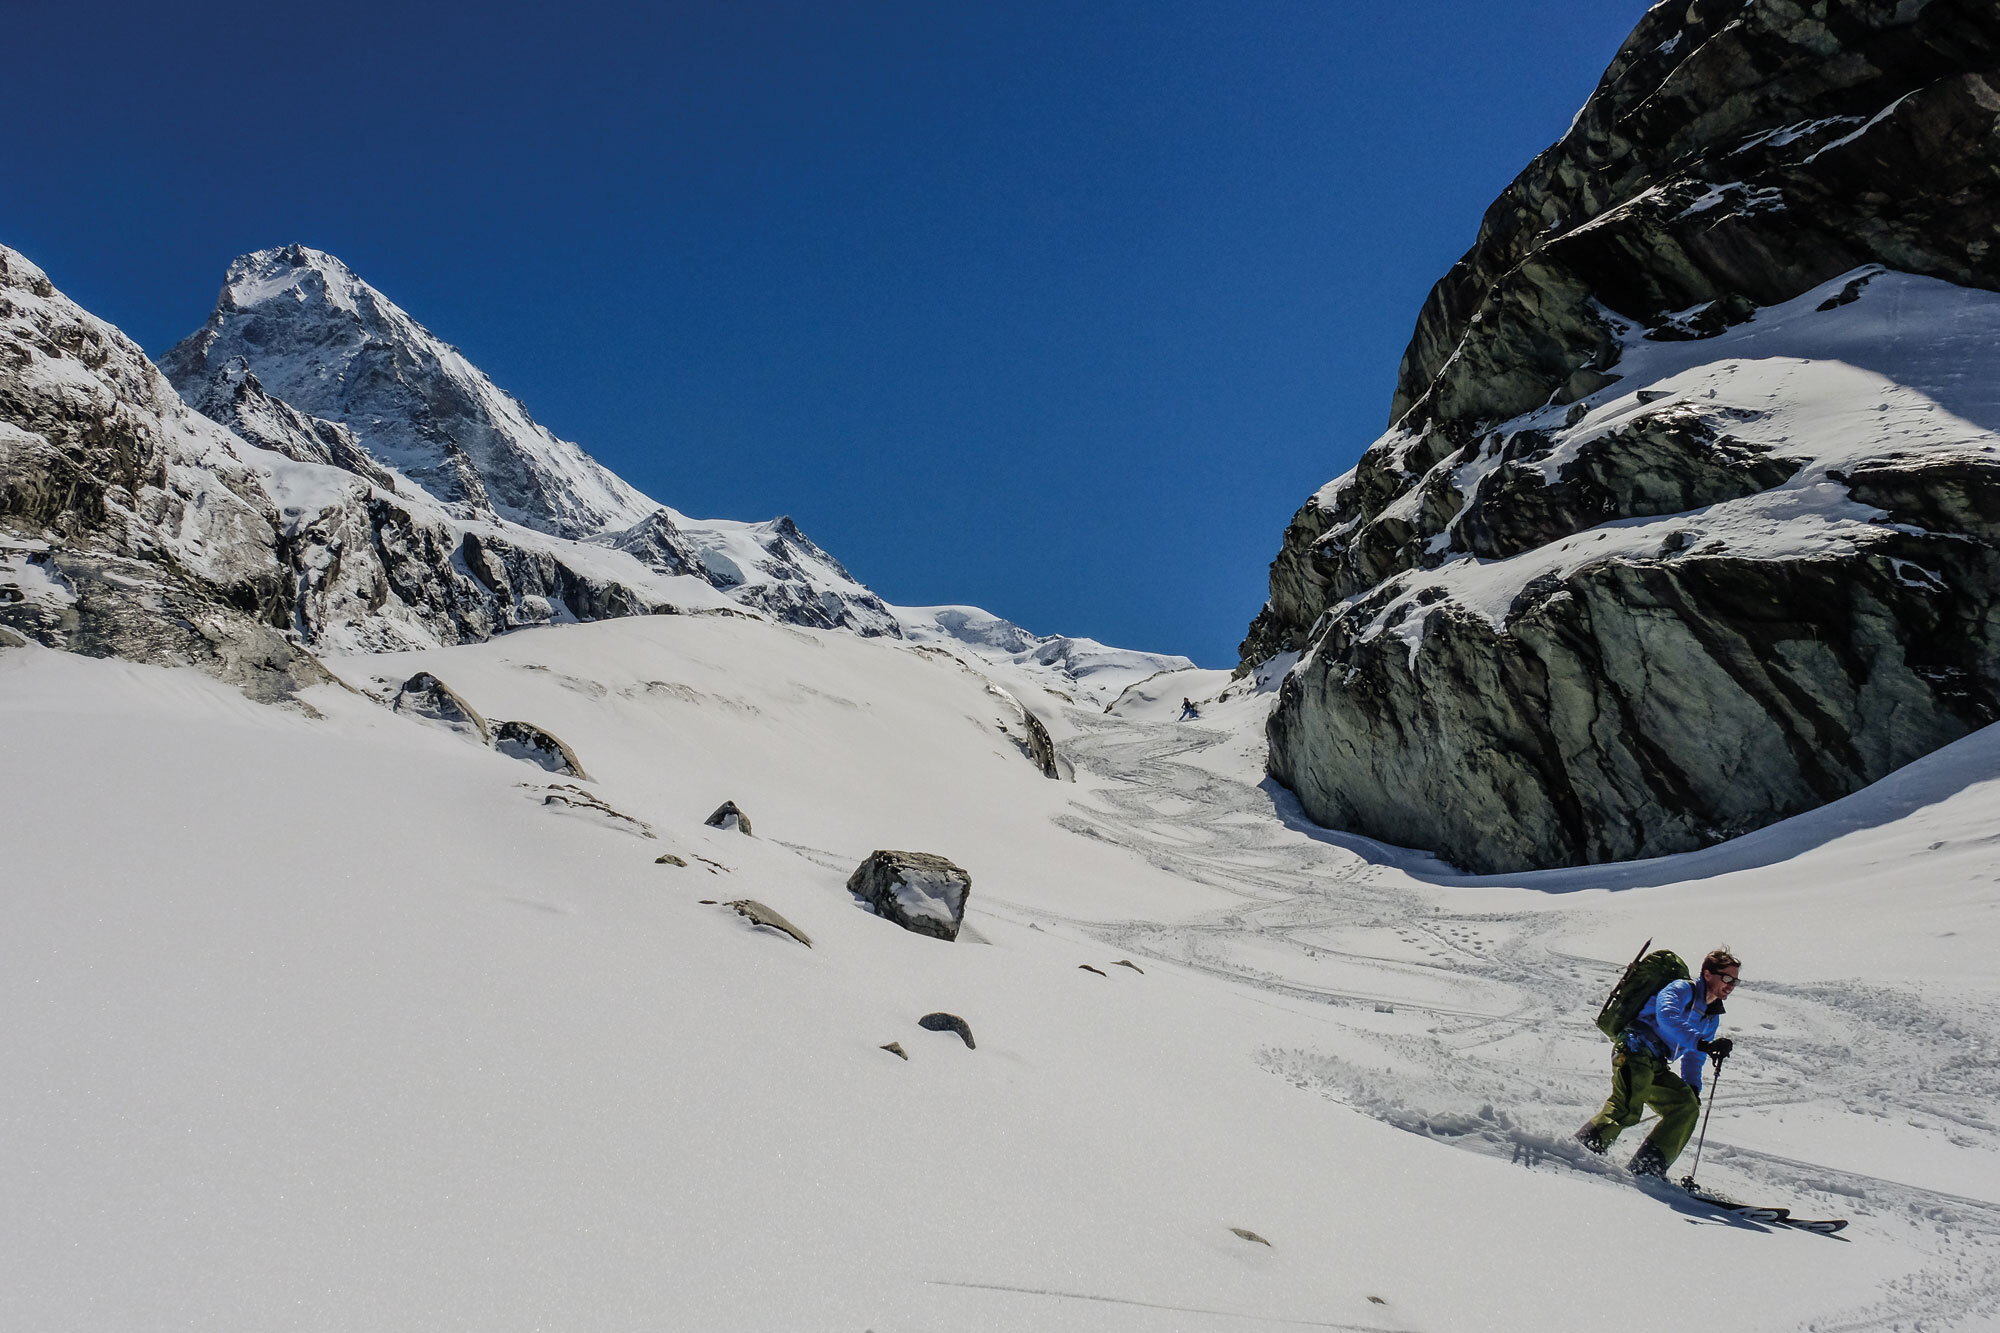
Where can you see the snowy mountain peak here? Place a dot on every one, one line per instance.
(330, 345)
(297, 273)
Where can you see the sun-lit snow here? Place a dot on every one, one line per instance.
(356, 1024)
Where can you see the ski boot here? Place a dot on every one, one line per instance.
(1649, 1161)
(1591, 1140)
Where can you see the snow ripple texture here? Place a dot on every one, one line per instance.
(1474, 1028)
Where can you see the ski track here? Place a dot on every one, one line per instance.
(1503, 1058)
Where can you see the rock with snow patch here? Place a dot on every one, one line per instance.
(728, 816)
(426, 697)
(525, 740)
(916, 890)
(129, 525)
(233, 396)
(1683, 522)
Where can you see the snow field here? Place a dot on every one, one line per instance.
(333, 1023)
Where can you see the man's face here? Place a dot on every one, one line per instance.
(1720, 984)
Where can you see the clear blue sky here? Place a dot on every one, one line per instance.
(1057, 308)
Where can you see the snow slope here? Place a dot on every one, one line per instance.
(338, 1022)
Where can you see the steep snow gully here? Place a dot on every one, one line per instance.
(1466, 1005)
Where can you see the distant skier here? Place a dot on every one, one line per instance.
(1188, 710)
(1675, 1025)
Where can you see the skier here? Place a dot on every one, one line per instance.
(1188, 710)
(1676, 1027)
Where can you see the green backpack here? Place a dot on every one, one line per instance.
(1643, 979)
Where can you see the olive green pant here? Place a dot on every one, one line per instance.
(1640, 1079)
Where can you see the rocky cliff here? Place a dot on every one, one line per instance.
(1684, 520)
(129, 525)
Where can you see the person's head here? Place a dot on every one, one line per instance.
(1719, 972)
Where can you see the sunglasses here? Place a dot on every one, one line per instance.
(1725, 978)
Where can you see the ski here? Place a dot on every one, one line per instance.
(1825, 1226)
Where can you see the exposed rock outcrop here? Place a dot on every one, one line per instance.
(426, 697)
(917, 891)
(757, 914)
(1040, 748)
(526, 741)
(233, 397)
(129, 526)
(1731, 157)
(1683, 524)
(728, 816)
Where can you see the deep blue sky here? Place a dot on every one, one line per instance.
(1056, 308)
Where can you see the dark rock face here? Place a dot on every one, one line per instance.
(1637, 709)
(1040, 747)
(1732, 156)
(1479, 682)
(917, 891)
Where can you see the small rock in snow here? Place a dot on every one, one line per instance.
(895, 1048)
(668, 859)
(1251, 1236)
(1088, 968)
(942, 1022)
(758, 914)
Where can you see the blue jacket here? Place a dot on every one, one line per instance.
(1670, 1025)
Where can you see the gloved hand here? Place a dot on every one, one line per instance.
(1719, 1048)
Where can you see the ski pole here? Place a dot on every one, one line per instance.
(1715, 1085)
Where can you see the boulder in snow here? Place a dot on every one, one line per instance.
(916, 890)
(1040, 748)
(943, 1022)
(425, 696)
(525, 740)
(727, 815)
